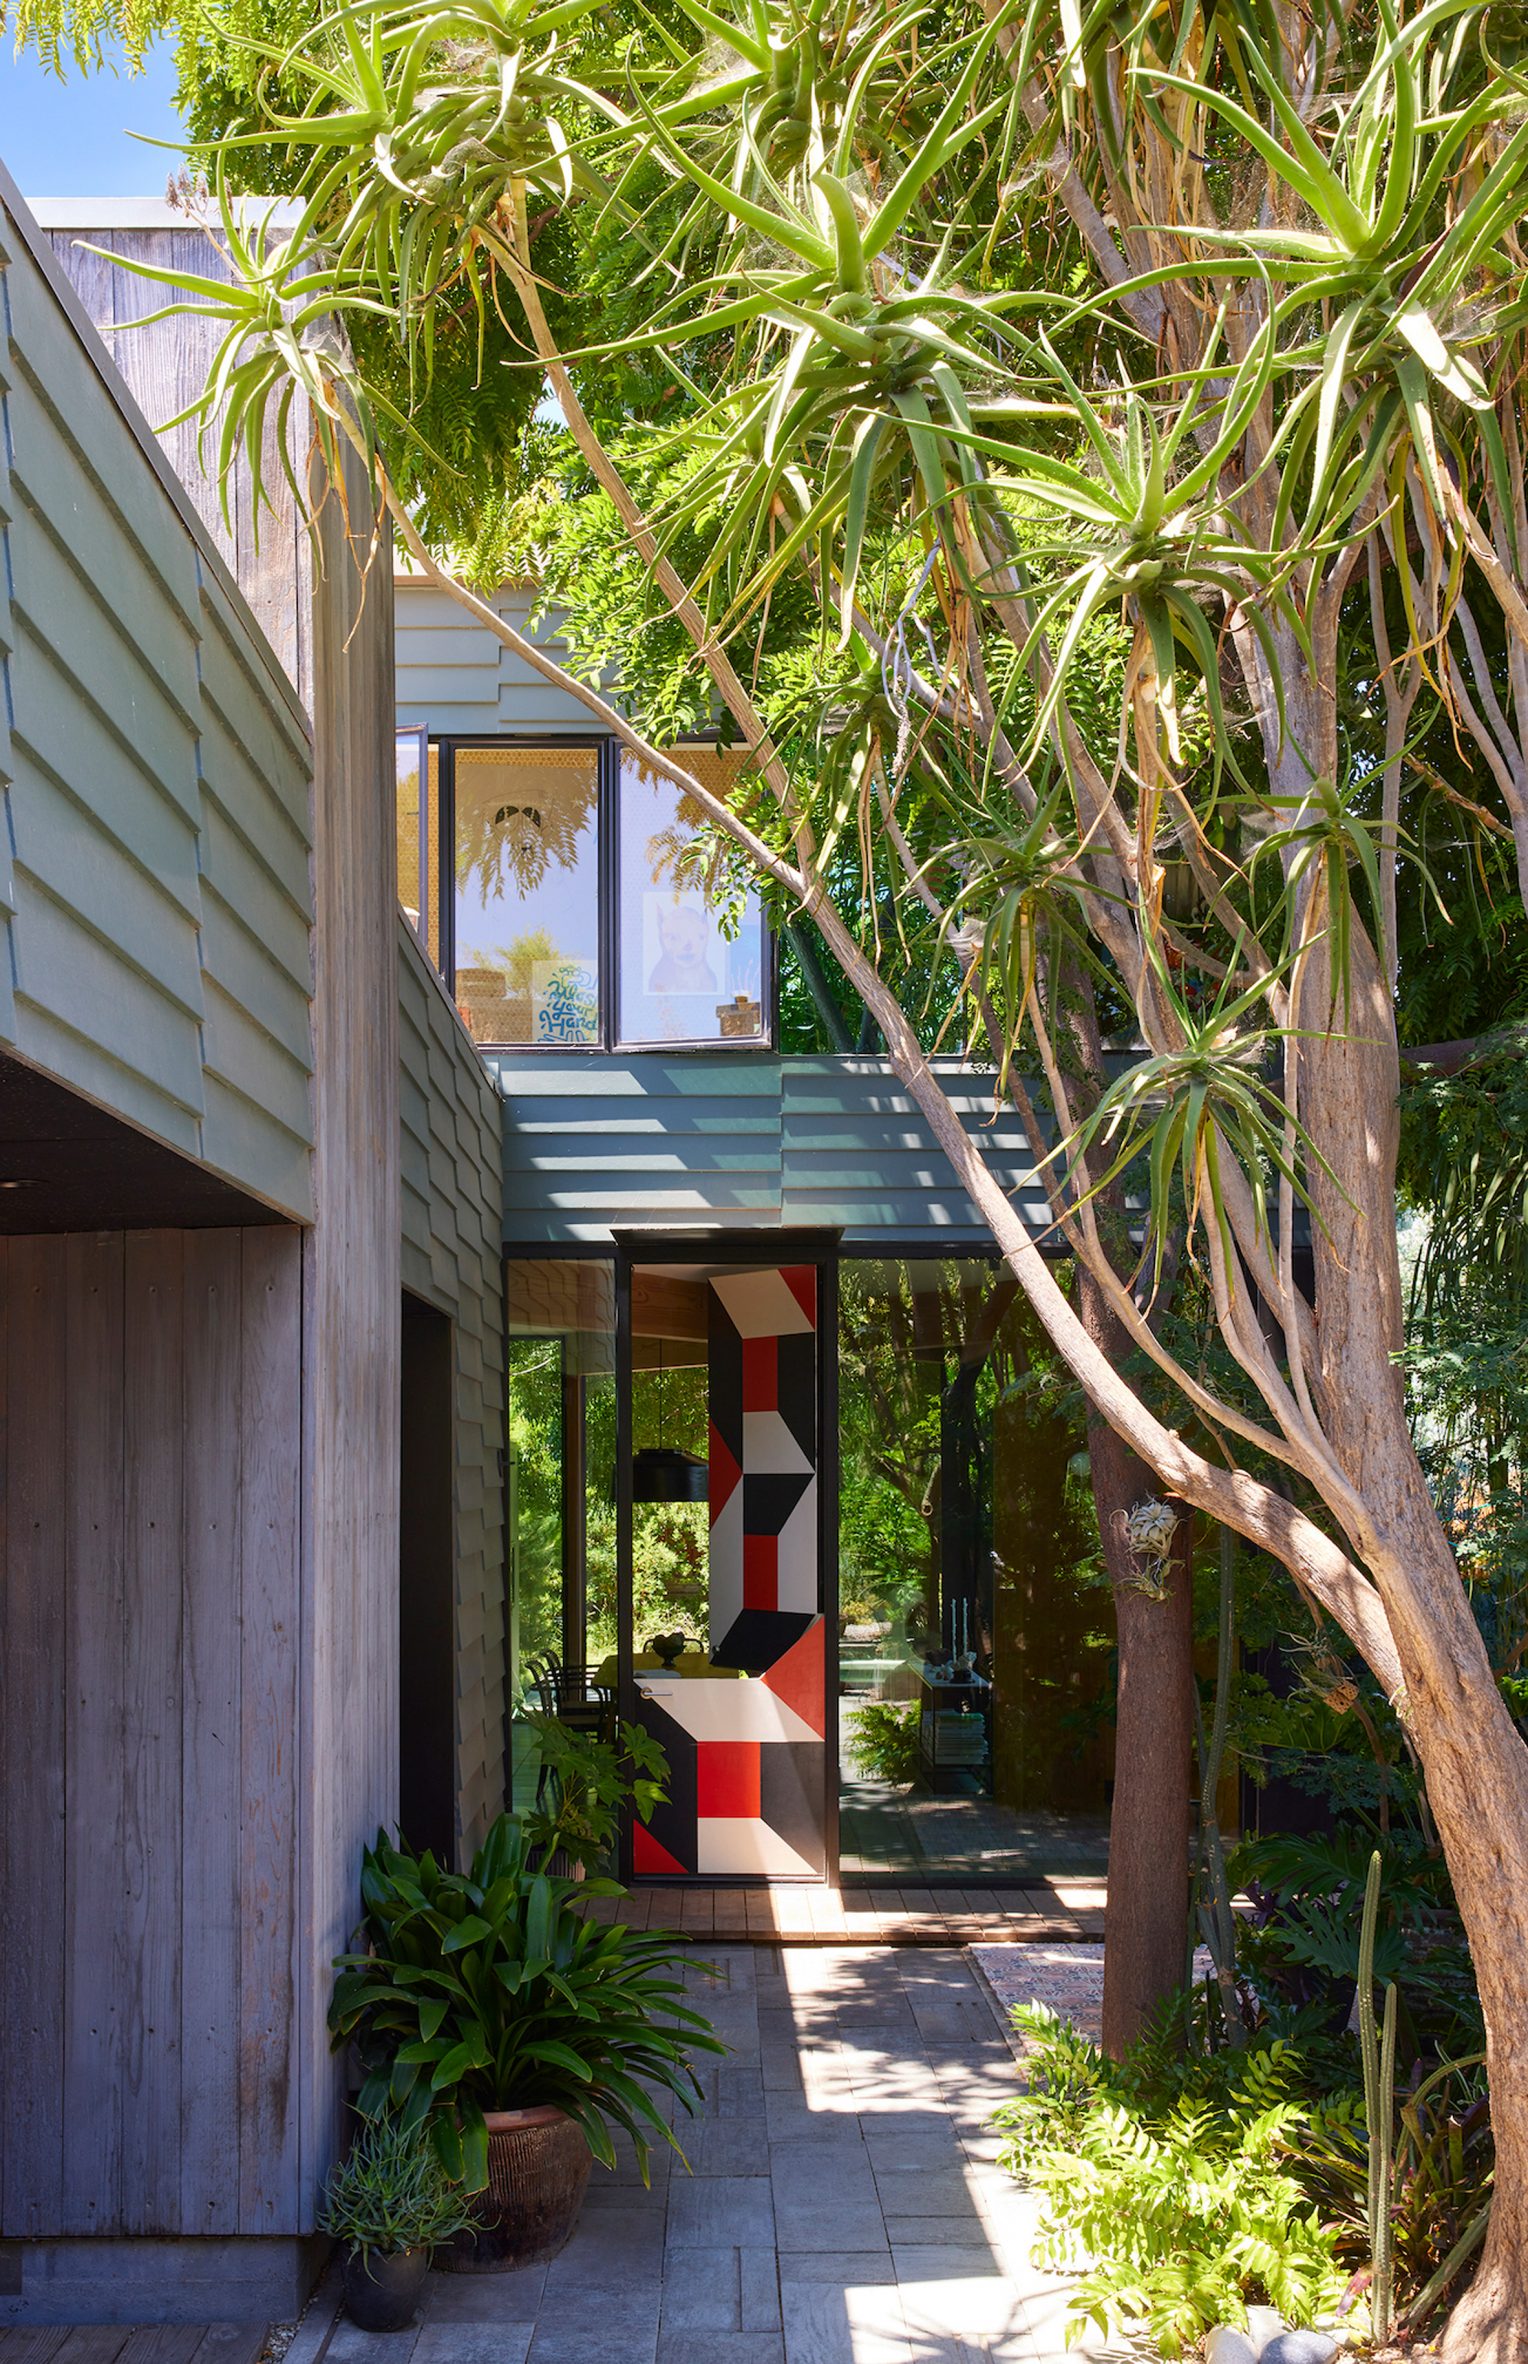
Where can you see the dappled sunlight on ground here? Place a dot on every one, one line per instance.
(845, 2204)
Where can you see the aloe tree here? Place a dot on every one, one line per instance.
(987, 331)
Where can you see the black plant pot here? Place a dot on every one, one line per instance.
(383, 2293)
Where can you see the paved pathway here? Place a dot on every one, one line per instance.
(805, 1914)
(845, 2206)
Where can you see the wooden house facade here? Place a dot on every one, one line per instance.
(314, 1148)
(249, 1244)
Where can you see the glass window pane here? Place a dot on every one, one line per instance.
(561, 1356)
(688, 972)
(418, 851)
(527, 893)
(410, 870)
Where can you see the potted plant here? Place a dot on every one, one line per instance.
(390, 2201)
(488, 2009)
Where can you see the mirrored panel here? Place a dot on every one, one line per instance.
(691, 943)
(527, 901)
(976, 1643)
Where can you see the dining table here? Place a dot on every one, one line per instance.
(689, 1663)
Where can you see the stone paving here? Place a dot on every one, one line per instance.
(845, 2205)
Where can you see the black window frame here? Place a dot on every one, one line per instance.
(607, 822)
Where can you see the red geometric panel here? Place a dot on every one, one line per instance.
(727, 1778)
(797, 1678)
(725, 1473)
(761, 1571)
(651, 1859)
(801, 1280)
(761, 1367)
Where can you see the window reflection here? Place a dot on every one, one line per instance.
(527, 893)
(418, 837)
(691, 944)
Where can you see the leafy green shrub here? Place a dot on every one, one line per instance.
(1174, 2192)
(1299, 1948)
(391, 2193)
(576, 1818)
(491, 1990)
(883, 1740)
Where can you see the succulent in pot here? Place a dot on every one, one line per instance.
(490, 2012)
(390, 2201)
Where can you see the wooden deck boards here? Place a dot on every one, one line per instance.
(1059, 1911)
(123, 2343)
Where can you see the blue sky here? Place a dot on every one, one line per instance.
(70, 138)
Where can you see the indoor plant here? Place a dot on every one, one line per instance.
(389, 2200)
(487, 2008)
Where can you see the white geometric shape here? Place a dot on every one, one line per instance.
(761, 1305)
(769, 1449)
(726, 1562)
(719, 1707)
(741, 1844)
(797, 1556)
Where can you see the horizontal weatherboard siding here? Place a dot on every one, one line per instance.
(155, 881)
(456, 679)
(451, 1172)
(755, 1140)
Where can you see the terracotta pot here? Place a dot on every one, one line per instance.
(382, 2293)
(538, 2172)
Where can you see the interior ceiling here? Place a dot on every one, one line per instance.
(66, 1165)
(696, 1272)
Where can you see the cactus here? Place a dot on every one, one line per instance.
(1377, 2044)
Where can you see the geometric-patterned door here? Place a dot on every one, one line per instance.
(746, 1744)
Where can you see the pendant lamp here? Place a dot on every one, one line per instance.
(665, 1473)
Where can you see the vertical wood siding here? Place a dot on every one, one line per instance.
(346, 1711)
(150, 1599)
(155, 891)
(452, 1222)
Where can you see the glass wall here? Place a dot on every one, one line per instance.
(691, 953)
(561, 1356)
(976, 1664)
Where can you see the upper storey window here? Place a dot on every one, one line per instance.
(690, 961)
(580, 909)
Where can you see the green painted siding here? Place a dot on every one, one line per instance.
(457, 680)
(451, 1173)
(746, 1140)
(155, 893)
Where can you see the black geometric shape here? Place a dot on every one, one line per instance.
(758, 1639)
(797, 1396)
(790, 1794)
(724, 1377)
(673, 1823)
(769, 1498)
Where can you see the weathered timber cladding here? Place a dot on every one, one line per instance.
(745, 1140)
(155, 890)
(165, 368)
(352, 1297)
(453, 1158)
(150, 1439)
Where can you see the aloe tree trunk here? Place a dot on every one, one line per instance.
(1147, 1909)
